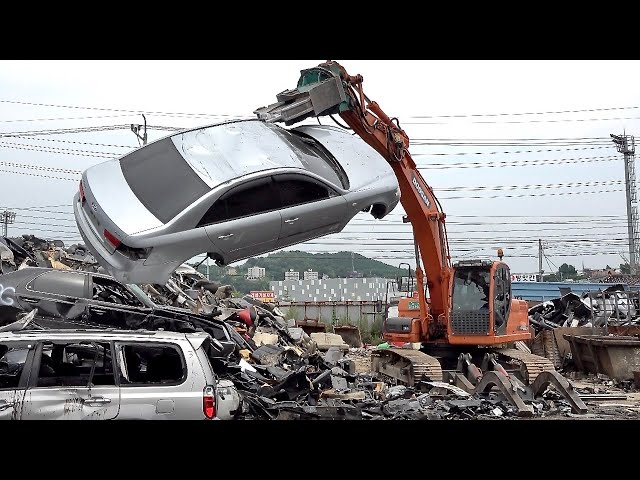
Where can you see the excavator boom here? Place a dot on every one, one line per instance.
(328, 90)
(470, 303)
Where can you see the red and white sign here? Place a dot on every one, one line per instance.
(267, 296)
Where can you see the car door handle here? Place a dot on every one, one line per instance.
(98, 311)
(95, 401)
(225, 236)
(30, 300)
(4, 405)
(291, 220)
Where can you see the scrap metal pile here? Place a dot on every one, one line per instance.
(280, 371)
(285, 374)
(614, 305)
(31, 251)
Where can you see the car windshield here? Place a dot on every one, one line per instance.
(222, 152)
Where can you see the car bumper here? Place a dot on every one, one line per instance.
(117, 264)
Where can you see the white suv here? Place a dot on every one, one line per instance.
(111, 374)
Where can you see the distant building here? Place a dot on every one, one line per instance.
(255, 272)
(232, 271)
(333, 289)
(354, 274)
(310, 275)
(291, 275)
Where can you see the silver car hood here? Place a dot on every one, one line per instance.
(362, 164)
(132, 216)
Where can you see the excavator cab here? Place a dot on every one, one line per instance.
(482, 312)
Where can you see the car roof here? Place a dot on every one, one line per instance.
(32, 271)
(105, 334)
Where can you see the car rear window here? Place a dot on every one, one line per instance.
(161, 179)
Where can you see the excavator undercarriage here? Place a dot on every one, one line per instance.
(519, 375)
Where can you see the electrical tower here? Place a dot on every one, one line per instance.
(6, 218)
(626, 145)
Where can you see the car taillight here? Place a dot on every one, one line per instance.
(82, 197)
(111, 238)
(209, 402)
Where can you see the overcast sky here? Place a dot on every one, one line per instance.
(474, 126)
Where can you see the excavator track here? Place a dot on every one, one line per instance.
(406, 366)
(531, 365)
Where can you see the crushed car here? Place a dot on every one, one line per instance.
(233, 190)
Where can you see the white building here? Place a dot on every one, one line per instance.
(255, 272)
(291, 275)
(310, 275)
(334, 289)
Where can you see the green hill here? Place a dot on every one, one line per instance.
(334, 265)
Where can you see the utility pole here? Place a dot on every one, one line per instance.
(625, 144)
(6, 218)
(136, 128)
(540, 271)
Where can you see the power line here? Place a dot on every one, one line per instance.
(516, 163)
(38, 167)
(57, 151)
(526, 113)
(63, 118)
(530, 186)
(71, 141)
(508, 152)
(28, 146)
(169, 114)
(532, 195)
(40, 175)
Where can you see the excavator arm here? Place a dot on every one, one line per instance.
(329, 90)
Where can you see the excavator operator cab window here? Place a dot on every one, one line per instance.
(471, 289)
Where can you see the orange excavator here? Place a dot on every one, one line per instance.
(469, 317)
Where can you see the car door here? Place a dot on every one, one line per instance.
(246, 220)
(55, 293)
(15, 361)
(309, 209)
(154, 381)
(72, 380)
(112, 305)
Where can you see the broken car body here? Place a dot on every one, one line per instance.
(234, 190)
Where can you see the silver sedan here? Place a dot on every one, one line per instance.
(233, 190)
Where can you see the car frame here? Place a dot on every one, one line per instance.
(65, 299)
(233, 190)
(89, 375)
